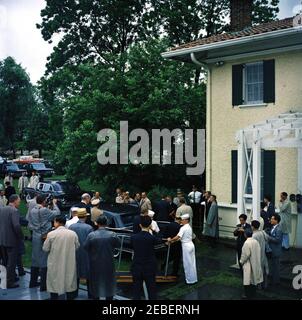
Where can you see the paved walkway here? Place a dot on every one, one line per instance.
(217, 280)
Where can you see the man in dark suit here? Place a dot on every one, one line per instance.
(269, 206)
(144, 261)
(9, 190)
(172, 207)
(175, 250)
(275, 243)
(239, 233)
(207, 203)
(10, 237)
(137, 219)
(162, 210)
(265, 216)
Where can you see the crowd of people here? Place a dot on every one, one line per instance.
(260, 244)
(64, 251)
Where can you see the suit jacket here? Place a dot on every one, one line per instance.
(172, 230)
(270, 210)
(9, 191)
(144, 253)
(162, 209)
(240, 235)
(275, 241)
(136, 224)
(10, 228)
(146, 202)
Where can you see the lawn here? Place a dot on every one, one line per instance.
(85, 185)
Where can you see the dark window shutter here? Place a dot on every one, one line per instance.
(234, 175)
(269, 81)
(269, 173)
(237, 83)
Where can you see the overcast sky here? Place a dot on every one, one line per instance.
(20, 38)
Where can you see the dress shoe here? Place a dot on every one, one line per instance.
(34, 285)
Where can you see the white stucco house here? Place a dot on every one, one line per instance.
(254, 114)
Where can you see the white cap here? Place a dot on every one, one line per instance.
(185, 216)
(151, 213)
(73, 209)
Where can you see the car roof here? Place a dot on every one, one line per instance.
(118, 208)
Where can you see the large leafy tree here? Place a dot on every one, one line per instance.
(105, 69)
(151, 93)
(91, 29)
(16, 98)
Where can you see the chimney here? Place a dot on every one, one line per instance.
(241, 14)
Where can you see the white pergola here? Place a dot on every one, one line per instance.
(284, 131)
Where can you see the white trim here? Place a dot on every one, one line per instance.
(256, 176)
(227, 43)
(256, 105)
(300, 170)
(254, 54)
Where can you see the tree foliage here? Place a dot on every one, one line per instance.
(16, 98)
(107, 67)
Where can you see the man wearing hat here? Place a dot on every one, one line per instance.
(185, 235)
(95, 211)
(82, 229)
(74, 217)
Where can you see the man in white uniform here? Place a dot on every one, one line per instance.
(185, 235)
(154, 226)
(33, 180)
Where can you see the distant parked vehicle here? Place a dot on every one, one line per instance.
(39, 168)
(10, 168)
(66, 192)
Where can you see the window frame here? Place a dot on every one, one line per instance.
(244, 84)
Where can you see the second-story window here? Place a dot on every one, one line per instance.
(253, 83)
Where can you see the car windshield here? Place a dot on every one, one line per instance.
(67, 187)
(12, 166)
(38, 166)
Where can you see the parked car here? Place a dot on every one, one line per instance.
(10, 167)
(66, 192)
(39, 167)
(121, 219)
(120, 215)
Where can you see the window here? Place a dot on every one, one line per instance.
(253, 83)
(268, 174)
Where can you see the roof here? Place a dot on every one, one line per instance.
(250, 31)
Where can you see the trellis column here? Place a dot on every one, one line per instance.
(256, 175)
(299, 218)
(241, 170)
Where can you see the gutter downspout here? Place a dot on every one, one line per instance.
(206, 69)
